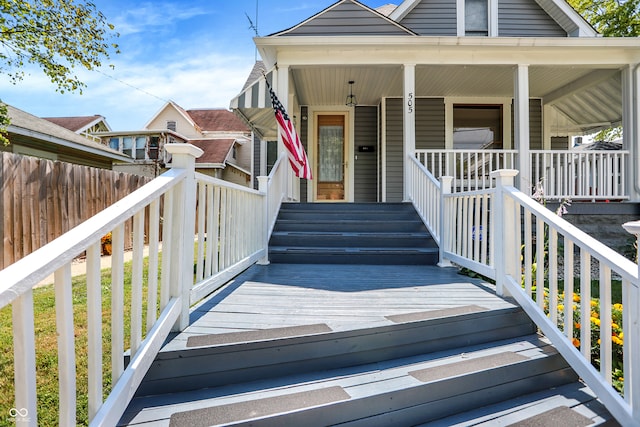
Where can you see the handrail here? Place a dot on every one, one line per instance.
(505, 235)
(424, 192)
(531, 275)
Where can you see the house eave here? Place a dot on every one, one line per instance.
(371, 50)
(106, 153)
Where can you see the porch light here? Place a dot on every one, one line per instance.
(351, 98)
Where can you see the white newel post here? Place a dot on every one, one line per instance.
(445, 221)
(631, 323)
(503, 218)
(184, 203)
(263, 187)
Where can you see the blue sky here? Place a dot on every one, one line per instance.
(197, 53)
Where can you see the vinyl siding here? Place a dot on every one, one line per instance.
(346, 19)
(433, 18)
(366, 164)
(394, 149)
(535, 124)
(257, 161)
(525, 18)
(430, 123)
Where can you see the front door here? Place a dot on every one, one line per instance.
(330, 137)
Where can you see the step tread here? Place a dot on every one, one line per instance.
(368, 380)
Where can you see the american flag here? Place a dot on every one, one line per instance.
(297, 156)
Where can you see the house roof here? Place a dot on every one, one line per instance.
(217, 120)
(78, 123)
(347, 13)
(216, 151)
(32, 127)
(179, 109)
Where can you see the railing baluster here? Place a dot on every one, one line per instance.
(585, 303)
(202, 209)
(94, 329)
(167, 248)
(528, 256)
(24, 357)
(152, 273)
(66, 346)
(553, 275)
(606, 347)
(211, 240)
(568, 288)
(540, 259)
(136, 281)
(117, 303)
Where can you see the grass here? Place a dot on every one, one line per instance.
(47, 351)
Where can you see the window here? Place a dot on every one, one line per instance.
(154, 146)
(114, 143)
(477, 127)
(171, 125)
(234, 152)
(127, 146)
(141, 145)
(476, 17)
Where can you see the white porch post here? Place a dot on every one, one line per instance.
(282, 90)
(631, 126)
(184, 157)
(263, 187)
(409, 122)
(445, 221)
(631, 320)
(503, 218)
(521, 125)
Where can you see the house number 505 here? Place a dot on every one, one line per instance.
(410, 102)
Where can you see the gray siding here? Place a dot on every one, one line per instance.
(346, 19)
(394, 150)
(433, 18)
(525, 18)
(366, 164)
(304, 127)
(560, 143)
(430, 123)
(535, 124)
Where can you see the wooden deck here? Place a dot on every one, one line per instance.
(344, 297)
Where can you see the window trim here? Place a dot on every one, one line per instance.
(493, 18)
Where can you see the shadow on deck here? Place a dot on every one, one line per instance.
(293, 344)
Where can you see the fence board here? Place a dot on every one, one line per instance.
(41, 199)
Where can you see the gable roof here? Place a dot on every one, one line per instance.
(217, 120)
(559, 10)
(78, 123)
(28, 125)
(179, 109)
(386, 9)
(347, 17)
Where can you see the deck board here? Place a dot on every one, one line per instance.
(342, 296)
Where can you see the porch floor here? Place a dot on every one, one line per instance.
(344, 297)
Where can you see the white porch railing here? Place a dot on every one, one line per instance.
(573, 174)
(470, 169)
(506, 236)
(230, 233)
(563, 174)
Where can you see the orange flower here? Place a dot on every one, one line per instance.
(576, 343)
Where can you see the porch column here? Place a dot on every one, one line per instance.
(631, 126)
(409, 121)
(521, 125)
(282, 91)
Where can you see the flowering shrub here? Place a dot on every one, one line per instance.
(617, 335)
(105, 243)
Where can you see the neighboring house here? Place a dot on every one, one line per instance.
(34, 136)
(144, 147)
(83, 125)
(223, 137)
(463, 92)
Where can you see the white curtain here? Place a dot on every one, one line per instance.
(331, 154)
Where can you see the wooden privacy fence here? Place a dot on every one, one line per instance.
(42, 199)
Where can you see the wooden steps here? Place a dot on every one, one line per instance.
(351, 233)
(420, 368)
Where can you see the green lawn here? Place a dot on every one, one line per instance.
(46, 348)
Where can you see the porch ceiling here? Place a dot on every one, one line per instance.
(585, 98)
